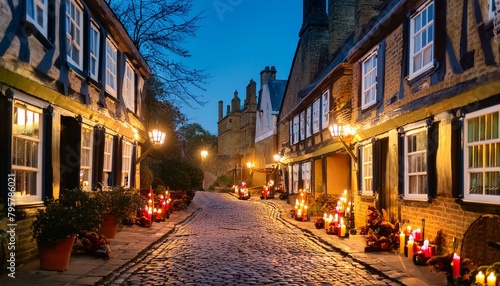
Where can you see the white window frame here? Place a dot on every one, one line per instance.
(74, 33)
(325, 102)
(107, 166)
(32, 193)
(492, 7)
(308, 121)
(306, 176)
(111, 67)
(129, 87)
(295, 129)
(291, 132)
(86, 160)
(420, 131)
(367, 169)
(295, 178)
(484, 149)
(316, 111)
(419, 52)
(369, 80)
(126, 164)
(37, 14)
(94, 49)
(302, 125)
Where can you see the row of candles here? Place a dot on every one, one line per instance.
(490, 280)
(157, 213)
(343, 209)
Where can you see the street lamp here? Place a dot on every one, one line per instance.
(204, 154)
(156, 137)
(344, 133)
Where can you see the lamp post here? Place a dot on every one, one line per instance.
(156, 137)
(203, 154)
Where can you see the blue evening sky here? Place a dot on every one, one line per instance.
(236, 41)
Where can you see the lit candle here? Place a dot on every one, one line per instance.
(410, 247)
(402, 242)
(480, 278)
(408, 229)
(456, 266)
(304, 215)
(491, 280)
(342, 228)
(426, 249)
(417, 234)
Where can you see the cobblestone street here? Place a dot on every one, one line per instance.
(234, 242)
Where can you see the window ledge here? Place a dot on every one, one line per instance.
(415, 201)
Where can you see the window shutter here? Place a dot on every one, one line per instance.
(405, 54)
(401, 159)
(380, 73)
(457, 162)
(432, 146)
(132, 168)
(70, 140)
(47, 171)
(439, 41)
(377, 166)
(98, 156)
(117, 161)
(6, 142)
(360, 169)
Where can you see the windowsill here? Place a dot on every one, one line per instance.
(482, 203)
(416, 200)
(411, 80)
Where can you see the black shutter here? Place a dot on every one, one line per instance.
(380, 73)
(405, 54)
(63, 70)
(457, 161)
(133, 167)
(360, 169)
(401, 160)
(98, 156)
(377, 166)
(439, 41)
(47, 171)
(432, 147)
(70, 151)
(117, 161)
(6, 106)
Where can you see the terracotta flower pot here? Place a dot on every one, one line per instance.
(109, 225)
(56, 258)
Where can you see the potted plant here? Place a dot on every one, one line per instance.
(56, 226)
(117, 204)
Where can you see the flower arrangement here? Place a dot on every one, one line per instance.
(380, 233)
(73, 212)
(120, 202)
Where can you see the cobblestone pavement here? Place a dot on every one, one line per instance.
(234, 242)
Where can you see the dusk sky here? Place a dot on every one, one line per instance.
(236, 41)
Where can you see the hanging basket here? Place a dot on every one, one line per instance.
(56, 258)
(109, 225)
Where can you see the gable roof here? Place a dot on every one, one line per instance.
(276, 92)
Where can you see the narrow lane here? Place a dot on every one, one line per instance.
(234, 242)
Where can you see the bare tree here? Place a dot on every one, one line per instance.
(159, 29)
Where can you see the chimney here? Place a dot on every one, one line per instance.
(314, 15)
(340, 22)
(235, 102)
(364, 10)
(266, 75)
(228, 109)
(251, 95)
(221, 115)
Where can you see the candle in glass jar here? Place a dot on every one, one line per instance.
(402, 242)
(456, 265)
(480, 278)
(491, 280)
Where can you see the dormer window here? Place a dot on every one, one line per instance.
(422, 40)
(111, 59)
(74, 33)
(36, 13)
